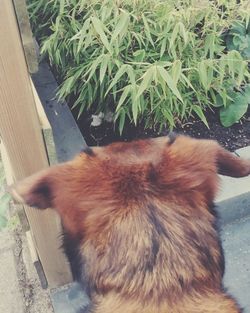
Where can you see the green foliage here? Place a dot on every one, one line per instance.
(236, 107)
(238, 38)
(156, 61)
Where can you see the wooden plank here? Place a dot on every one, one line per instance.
(35, 260)
(39, 107)
(30, 241)
(6, 164)
(22, 137)
(46, 128)
(26, 35)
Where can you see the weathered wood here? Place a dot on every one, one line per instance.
(26, 35)
(45, 124)
(10, 180)
(47, 134)
(46, 128)
(30, 241)
(35, 259)
(22, 138)
(50, 148)
(6, 164)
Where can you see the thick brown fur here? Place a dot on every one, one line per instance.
(142, 216)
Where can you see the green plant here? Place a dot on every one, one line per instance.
(156, 61)
(238, 38)
(236, 105)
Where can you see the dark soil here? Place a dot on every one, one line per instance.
(232, 138)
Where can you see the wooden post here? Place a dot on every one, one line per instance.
(26, 35)
(22, 138)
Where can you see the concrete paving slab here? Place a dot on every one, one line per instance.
(7, 242)
(10, 294)
(236, 244)
(234, 209)
(233, 187)
(233, 205)
(70, 299)
(35, 298)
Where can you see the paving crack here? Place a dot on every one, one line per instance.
(25, 284)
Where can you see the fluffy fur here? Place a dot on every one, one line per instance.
(139, 223)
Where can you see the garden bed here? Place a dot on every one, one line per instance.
(173, 65)
(232, 138)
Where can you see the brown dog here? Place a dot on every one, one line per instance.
(139, 223)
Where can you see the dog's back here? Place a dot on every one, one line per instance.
(141, 215)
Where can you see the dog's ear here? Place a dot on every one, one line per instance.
(36, 190)
(230, 164)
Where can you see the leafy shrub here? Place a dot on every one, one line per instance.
(236, 104)
(156, 61)
(238, 38)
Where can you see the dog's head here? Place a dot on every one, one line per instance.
(102, 180)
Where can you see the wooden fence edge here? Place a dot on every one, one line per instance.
(22, 137)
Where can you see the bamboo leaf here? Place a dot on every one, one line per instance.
(139, 55)
(183, 32)
(123, 97)
(131, 75)
(169, 117)
(122, 116)
(163, 46)
(121, 26)
(80, 111)
(99, 28)
(82, 35)
(197, 109)
(147, 30)
(174, 36)
(169, 81)
(187, 81)
(122, 70)
(93, 68)
(202, 70)
(135, 110)
(62, 6)
(146, 81)
(103, 66)
(176, 71)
